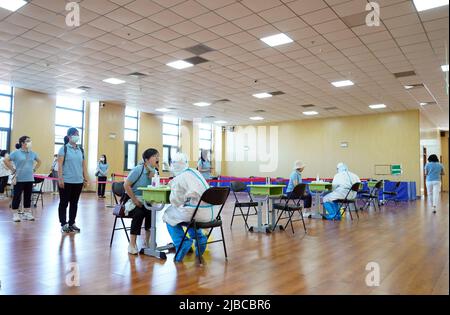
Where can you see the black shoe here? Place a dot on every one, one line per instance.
(75, 228)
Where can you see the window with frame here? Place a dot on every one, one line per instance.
(6, 109)
(69, 113)
(205, 136)
(131, 136)
(171, 139)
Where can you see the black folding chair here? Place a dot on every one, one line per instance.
(214, 196)
(237, 187)
(283, 207)
(118, 191)
(346, 202)
(392, 194)
(36, 192)
(372, 196)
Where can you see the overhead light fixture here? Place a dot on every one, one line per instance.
(444, 68)
(257, 118)
(163, 110)
(114, 81)
(342, 83)
(179, 64)
(75, 91)
(276, 40)
(310, 113)
(12, 5)
(220, 122)
(423, 104)
(262, 95)
(202, 104)
(422, 5)
(377, 106)
(409, 87)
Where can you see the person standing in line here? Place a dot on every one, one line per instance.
(102, 175)
(433, 172)
(54, 174)
(24, 160)
(72, 176)
(204, 164)
(4, 173)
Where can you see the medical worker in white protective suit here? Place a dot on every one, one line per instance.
(186, 189)
(342, 182)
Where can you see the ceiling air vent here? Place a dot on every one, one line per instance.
(199, 49)
(137, 74)
(196, 60)
(277, 93)
(308, 105)
(86, 88)
(260, 111)
(404, 74)
(223, 100)
(331, 108)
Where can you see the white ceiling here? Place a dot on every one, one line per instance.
(117, 37)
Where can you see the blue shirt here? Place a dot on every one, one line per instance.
(73, 165)
(295, 176)
(103, 167)
(143, 181)
(207, 165)
(24, 162)
(433, 171)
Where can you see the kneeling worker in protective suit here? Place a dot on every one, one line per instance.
(342, 182)
(187, 187)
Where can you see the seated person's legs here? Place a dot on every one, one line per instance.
(307, 200)
(201, 239)
(176, 233)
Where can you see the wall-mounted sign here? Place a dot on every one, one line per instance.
(344, 144)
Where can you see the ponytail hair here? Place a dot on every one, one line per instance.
(66, 139)
(22, 140)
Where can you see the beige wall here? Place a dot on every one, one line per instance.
(391, 138)
(111, 122)
(150, 135)
(34, 116)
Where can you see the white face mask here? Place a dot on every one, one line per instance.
(102, 159)
(28, 145)
(75, 139)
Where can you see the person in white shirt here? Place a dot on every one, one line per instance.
(342, 182)
(4, 173)
(187, 187)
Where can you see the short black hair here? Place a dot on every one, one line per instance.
(433, 158)
(149, 153)
(3, 152)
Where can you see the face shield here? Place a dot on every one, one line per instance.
(179, 164)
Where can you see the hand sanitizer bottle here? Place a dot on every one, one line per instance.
(317, 178)
(155, 179)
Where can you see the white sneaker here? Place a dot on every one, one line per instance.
(28, 216)
(132, 250)
(16, 217)
(2, 197)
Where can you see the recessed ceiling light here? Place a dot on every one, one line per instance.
(257, 118)
(377, 106)
(75, 91)
(113, 81)
(422, 5)
(262, 95)
(310, 113)
(409, 87)
(444, 68)
(220, 122)
(423, 104)
(202, 104)
(276, 40)
(179, 64)
(342, 83)
(163, 110)
(12, 5)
